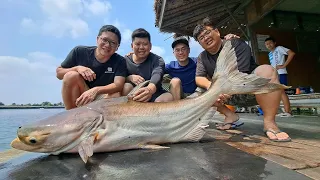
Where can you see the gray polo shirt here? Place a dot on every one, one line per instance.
(151, 69)
(207, 62)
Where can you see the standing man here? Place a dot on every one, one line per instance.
(208, 37)
(277, 60)
(93, 72)
(143, 65)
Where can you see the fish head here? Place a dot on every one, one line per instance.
(58, 133)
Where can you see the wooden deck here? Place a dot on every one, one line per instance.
(301, 155)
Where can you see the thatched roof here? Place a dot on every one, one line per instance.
(181, 16)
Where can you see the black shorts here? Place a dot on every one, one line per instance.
(157, 94)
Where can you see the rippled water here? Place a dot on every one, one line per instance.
(11, 119)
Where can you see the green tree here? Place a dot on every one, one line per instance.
(1, 104)
(13, 104)
(46, 103)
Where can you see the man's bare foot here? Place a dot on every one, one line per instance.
(230, 118)
(274, 134)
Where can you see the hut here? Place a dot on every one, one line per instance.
(295, 24)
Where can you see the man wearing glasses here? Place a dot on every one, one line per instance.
(208, 37)
(93, 72)
(182, 71)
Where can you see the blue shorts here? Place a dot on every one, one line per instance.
(283, 78)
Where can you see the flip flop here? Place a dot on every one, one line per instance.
(234, 124)
(275, 134)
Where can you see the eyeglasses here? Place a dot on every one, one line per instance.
(205, 34)
(184, 49)
(108, 41)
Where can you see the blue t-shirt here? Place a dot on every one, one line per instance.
(186, 74)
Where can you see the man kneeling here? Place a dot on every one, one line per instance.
(93, 72)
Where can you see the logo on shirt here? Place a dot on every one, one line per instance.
(109, 70)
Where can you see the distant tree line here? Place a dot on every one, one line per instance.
(46, 103)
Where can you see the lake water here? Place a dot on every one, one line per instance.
(11, 119)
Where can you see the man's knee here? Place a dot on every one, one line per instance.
(175, 82)
(127, 88)
(72, 77)
(165, 97)
(267, 71)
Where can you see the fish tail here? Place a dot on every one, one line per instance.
(235, 82)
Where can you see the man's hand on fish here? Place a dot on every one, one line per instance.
(142, 95)
(86, 73)
(136, 79)
(87, 97)
(230, 36)
(223, 98)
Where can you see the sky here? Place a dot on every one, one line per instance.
(37, 35)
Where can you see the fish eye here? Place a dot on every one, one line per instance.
(32, 140)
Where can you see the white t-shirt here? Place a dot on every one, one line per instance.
(277, 57)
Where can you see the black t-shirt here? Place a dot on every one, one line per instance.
(151, 69)
(105, 72)
(206, 63)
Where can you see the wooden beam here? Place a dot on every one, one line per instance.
(257, 9)
(235, 12)
(163, 6)
(228, 10)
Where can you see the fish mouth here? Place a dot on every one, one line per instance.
(18, 144)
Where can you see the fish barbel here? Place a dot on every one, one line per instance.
(120, 124)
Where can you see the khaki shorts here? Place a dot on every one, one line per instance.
(240, 100)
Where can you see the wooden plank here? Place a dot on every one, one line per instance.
(10, 154)
(297, 154)
(313, 173)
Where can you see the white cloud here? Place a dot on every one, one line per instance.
(29, 80)
(126, 36)
(195, 48)
(65, 18)
(125, 32)
(158, 50)
(28, 24)
(97, 7)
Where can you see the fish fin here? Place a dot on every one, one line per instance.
(236, 81)
(197, 133)
(85, 149)
(136, 88)
(153, 146)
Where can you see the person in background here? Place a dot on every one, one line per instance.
(93, 72)
(277, 60)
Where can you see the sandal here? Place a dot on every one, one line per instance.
(275, 134)
(234, 125)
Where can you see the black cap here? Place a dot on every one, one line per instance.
(178, 40)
